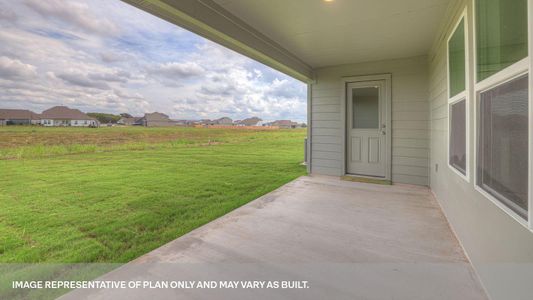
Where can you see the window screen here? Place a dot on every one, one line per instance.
(458, 136)
(456, 60)
(501, 33)
(365, 107)
(503, 144)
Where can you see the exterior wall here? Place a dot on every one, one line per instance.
(59, 123)
(80, 123)
(410, 115)
(48, 123)
(19, 122)
(500, 249)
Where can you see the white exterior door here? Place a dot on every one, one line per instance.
(366, 123)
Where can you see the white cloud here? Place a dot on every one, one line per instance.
(79, 79)
(73, 13)
(112, 56)
(177, 70)
(7, 14)
(104, 55)
(15, 69)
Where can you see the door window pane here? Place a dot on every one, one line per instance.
(458, 136)
(501, 32)
(365, 108)
(503, 144)
(456, 57)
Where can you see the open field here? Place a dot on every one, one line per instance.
(112, 194)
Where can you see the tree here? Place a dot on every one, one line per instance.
(126, 115)
(105, 118)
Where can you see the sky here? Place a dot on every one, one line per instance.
(107, 56)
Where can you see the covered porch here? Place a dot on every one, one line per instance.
(348, 240)
(417, 59)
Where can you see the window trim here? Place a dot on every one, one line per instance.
(514, 71)
(464, 95)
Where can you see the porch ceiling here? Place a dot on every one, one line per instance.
(344, 31)
(298, 36)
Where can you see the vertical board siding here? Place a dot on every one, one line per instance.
(410, 117)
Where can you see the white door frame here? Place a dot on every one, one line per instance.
(388, 128)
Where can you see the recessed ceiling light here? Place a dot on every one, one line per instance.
(328, 0)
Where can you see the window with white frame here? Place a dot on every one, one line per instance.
(503, 143)
(502, 89)
(458, 107)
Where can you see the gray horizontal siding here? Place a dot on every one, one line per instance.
(325, 116)
(410, 118)
(327, 131)
(328, 163)
(410, 161)
(326, 93)
(410, 133)
(410, 107)
(410, 115)
(418, 125)
(327, 124)
(410, 152)
(325, 100)
(327, 147)
(410, 143)
(326, 108)
(326, 170)
(327, 155)
(325, 139)
(410, 179)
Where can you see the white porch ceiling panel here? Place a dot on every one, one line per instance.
(297, 36)
(344, 31)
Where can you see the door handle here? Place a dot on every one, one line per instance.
(383, 126)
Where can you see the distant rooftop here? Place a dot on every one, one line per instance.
(20, 114)
(64, 113)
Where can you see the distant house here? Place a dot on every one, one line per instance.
(156, 119)
(18, 117)
(64, 116)
(284, 124)
(185, 122)
(223, 121)
(249, 122)
(129, 121)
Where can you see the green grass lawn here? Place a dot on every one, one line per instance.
(75, 195)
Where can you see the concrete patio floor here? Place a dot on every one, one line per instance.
(348, 240)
